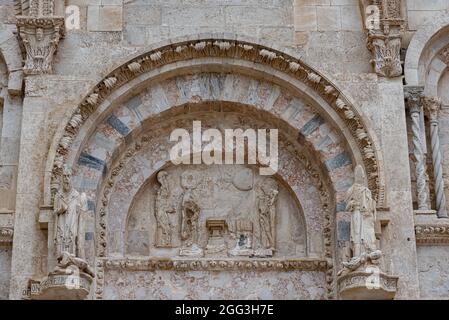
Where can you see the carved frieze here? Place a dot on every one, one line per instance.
(192, 264)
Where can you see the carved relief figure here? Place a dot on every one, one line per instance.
(70, 209)
(163, 208)
(363, 223)
(266, 206)
(243, 235)
(190, 212)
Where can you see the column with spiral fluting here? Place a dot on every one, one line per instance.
(432, 106)
(414, 103)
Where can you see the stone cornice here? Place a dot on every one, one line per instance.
(432, 234)
(204, 264)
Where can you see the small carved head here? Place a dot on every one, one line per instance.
(162, 177)
(66, 175)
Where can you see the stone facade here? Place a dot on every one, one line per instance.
(92, 205)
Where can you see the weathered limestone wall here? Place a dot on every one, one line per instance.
(419, 11)
(5, 271)
(433, 262)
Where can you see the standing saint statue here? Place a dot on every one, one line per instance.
(190, 213)
(266, 206)
(70, 209)
(163, 208)
(361, 204)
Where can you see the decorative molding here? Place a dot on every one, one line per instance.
(40, 37)
(229, 49)
(6, 235)
(204, 264)
(432, 234)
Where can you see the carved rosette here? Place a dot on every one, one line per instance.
(367, 286)
(40, 37)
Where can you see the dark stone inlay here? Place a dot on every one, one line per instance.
(118, 125)
(339, 161)
(343, 230)
(341, 206)
(89, 236)
(91, 205)
(91, 162)
(312, 125)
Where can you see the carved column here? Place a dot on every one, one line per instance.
(414, 103)
(432, 106)
(40, 31)
(384, 35)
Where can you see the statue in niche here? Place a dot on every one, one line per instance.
(266, 196)
(190, 213)
(163, 208)
(70, 208)
(363, 224)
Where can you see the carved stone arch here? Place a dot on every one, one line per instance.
(310, 109)
(252, 54)
(425, 62)
(12, 55)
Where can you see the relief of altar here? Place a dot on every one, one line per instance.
(218, 211)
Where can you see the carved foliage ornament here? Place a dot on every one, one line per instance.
(237, 50)
(40, 37)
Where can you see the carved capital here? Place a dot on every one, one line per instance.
(386, 50)
(432, 106)
(40, 37)
(413, 98)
